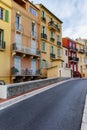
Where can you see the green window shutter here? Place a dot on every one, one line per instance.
(6, 15)
(46, 64)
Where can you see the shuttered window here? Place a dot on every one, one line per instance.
(4, 14)
(43, 46)
(1, 13)
(52, 49)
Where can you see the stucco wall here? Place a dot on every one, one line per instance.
(52, 72)
(5, 54)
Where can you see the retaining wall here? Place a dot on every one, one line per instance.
(7, 91)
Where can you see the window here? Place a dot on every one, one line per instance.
(70, 44)
(17, 21)
(66, 53)
(43, 30)
(59, 52)
(85, 60)
(52, 50)
(1, 38)
(43, 46)
(58, 38)
(51, 19)
(1, 13)
(4, 14)
(74, 67)
(52, 34)
(33, 11)
(43, 63)
(33, 27)
(73, 45)
(43, 14)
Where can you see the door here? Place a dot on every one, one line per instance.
(17, 63)
(18, 40)
(33, 47)
(60, 73)
(33, 66)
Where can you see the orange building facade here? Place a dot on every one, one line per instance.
(25, 50)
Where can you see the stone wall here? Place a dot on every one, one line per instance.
(19, 88)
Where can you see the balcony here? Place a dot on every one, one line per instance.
(52, 39)
(24, 72)
(19, 28)
(43, 36)
(34, 35)
(82, 51)
(73, 59)
(73, 49)
(43, 19)
(58, 43)
(2, 45)
(25, 51)
(21, 3)
(52, 56)
(53, 26)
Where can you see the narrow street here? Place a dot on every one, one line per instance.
(59, 108)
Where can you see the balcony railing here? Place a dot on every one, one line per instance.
(52, 39)
(81, 51)
(54, 26)
(19, 27)
(34, 35)
(44, 36)
(52, 56)
(26, 50)
(25, 72)
(2, 45)
(58, 43)
(73, 49)
(43, 19)
(73, 59)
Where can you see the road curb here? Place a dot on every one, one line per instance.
(12, 101)
(84, 118)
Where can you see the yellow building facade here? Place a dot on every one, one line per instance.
(81, 55)
(5, 36)
(50, 42)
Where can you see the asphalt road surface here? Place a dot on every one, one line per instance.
(59, 108)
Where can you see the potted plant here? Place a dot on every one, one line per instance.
(14, 70)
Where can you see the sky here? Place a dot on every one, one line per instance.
(73, 13)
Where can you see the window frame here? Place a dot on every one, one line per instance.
(43, 46)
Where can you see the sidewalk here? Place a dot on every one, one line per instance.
(84, 119)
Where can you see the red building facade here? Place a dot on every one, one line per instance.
(72, 56)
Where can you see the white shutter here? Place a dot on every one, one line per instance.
(17, 63)
(33, 66)
(33, 47)
(18, 40)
